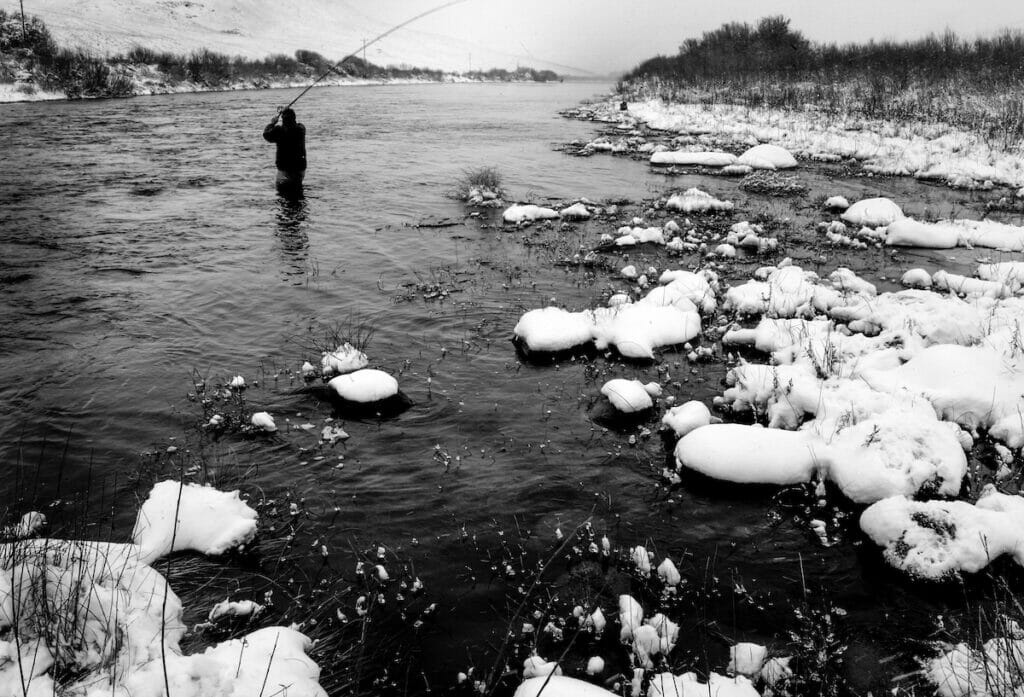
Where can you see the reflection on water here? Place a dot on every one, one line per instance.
(292, 240)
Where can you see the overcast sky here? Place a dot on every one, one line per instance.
(614, 35)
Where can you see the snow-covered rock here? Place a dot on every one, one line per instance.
(519, 213)
(767, 156)
(207, 521)
(364, 386)
(872, 212)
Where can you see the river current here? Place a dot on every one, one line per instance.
(145, 250)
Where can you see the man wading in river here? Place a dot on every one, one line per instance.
(290, 137)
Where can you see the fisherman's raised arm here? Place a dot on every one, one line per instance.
(269, 132)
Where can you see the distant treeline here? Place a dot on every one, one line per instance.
(79, 74)
(737, 50)
(975, 85)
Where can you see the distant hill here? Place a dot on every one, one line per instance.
(255, 29)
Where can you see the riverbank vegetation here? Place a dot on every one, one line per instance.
(32, 62)
(972, 85)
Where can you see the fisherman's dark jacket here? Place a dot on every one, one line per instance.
(291, 145)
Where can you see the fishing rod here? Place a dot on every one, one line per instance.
(395, 28)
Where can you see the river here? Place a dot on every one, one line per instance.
(144, 250)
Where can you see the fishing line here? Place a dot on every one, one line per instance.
(371, 43)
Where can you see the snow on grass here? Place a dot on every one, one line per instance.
(98, 613)
(344, 359)
(994, 670)
(787, 292)
(207, 520)
(689, 685)
(946, 234)
(925, 151)
(696, 201)
(576, 211)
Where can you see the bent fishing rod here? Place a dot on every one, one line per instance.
(395, 28)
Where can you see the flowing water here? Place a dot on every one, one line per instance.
(144, 249)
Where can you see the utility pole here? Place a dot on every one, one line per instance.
(364, 53)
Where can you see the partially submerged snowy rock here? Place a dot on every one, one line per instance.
(687, 417)
(364, 386)
(260, 420)
(208, 520)
(630, 396)
(936, 539)
(635, 329)
(520, 213)
(748, 454)
(873, 212)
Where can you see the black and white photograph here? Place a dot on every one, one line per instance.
(486, 348)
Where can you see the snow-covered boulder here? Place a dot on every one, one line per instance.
(872, 212)
(693, 159)
(364, 386)
(767, 156)
(936, 539)
(748, 454)
(630, 396)
(687, 417)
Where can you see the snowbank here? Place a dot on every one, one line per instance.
(926, 151)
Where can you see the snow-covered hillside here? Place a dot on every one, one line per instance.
(257, 28)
